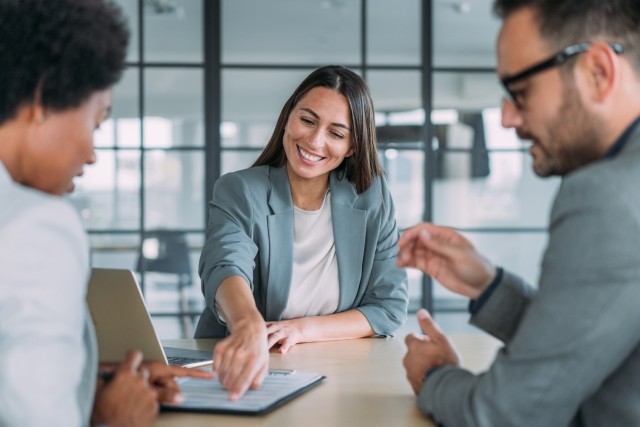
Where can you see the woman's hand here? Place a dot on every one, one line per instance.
(286, 333)
(241, 360)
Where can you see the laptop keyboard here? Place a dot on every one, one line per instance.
(175, 360)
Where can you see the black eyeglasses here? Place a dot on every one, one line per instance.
(557, 59)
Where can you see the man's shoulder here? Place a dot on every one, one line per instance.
(606, 177)
(607, 188)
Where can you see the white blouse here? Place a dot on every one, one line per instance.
(314, 279)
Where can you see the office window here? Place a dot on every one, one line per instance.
(107, 195)
(233, 161)
(173, 31)
(204, 85)
(174, 188)
(464, 34)
(150, 173)
(114, 250)
(174, 107)
(490, 189)
(251, 102)
(290, 32)
(399, 122)
(517, 251)
(130, 8)
(170, 293)
(481, 181)
(386, 43)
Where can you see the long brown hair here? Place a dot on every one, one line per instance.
(363, 166)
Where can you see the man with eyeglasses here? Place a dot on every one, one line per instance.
(571, 355)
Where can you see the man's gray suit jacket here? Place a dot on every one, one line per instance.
(572, 352)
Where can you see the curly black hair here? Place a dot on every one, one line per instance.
(58, 52)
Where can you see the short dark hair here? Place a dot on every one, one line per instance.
(564, 22)
(58, 52)
(363, 166)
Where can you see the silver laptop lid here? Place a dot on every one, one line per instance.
(120, 317)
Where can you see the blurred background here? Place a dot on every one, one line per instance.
(205, 82)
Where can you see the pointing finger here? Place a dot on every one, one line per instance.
(428, 325)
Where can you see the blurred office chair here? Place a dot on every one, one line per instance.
(166, 251)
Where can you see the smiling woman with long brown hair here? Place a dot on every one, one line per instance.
(301, 247)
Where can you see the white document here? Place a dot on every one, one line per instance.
(279, 386)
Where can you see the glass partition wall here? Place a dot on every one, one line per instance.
(205, 82)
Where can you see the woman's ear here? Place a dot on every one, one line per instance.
(350, 152)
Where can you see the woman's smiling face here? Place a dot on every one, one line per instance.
(317, 137)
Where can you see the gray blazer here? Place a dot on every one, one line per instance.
(250, 234)
(572, 348)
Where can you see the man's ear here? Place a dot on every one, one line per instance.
(602, 68)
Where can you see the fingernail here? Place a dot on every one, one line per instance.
(423, 314)
(144, 373)
(425, 234)
(178, 398)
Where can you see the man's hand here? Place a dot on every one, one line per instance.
(448, 257)
(241, 360)
(127, 400)
(427, 351)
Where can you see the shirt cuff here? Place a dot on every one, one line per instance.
(476, 305)
(431, 371)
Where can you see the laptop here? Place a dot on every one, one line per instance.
(122, 322)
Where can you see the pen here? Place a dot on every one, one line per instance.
(281, 371)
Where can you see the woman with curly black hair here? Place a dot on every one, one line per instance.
(58, 61)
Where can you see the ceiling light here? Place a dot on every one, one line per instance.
(462, 7)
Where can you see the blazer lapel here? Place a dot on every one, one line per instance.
(349, 229)
(280, 225)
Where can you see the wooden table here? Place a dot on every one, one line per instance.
(365, 384)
